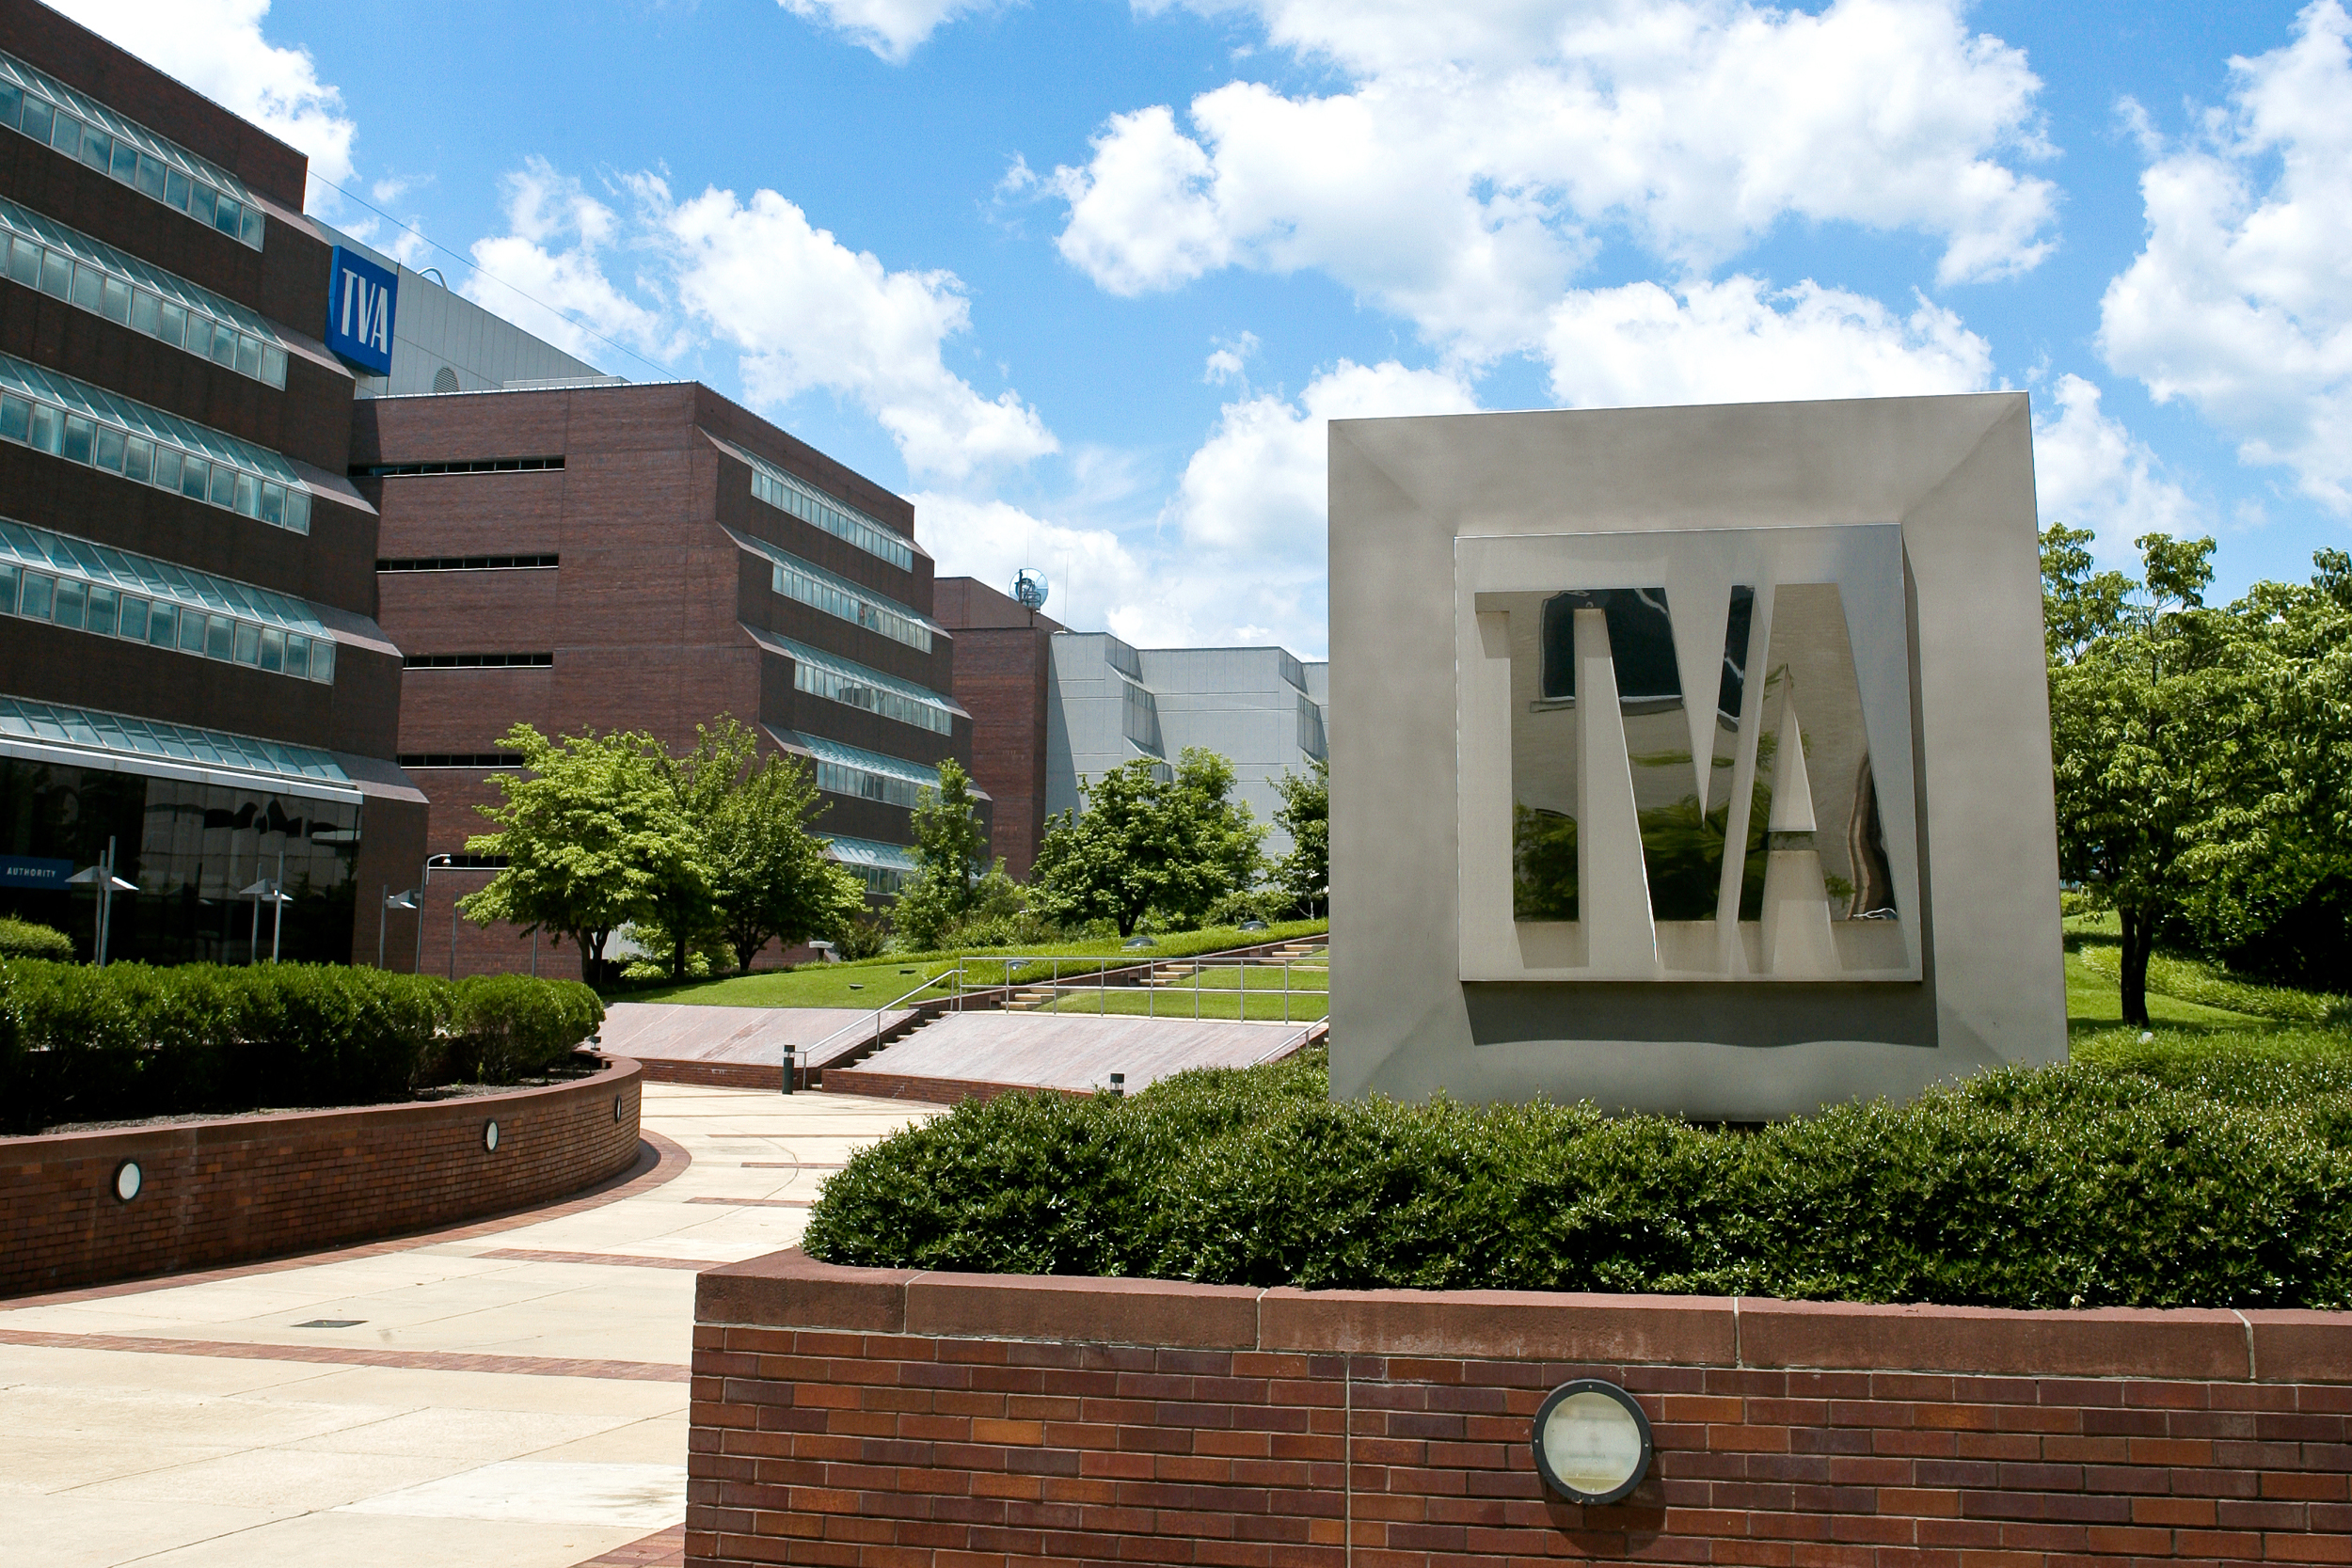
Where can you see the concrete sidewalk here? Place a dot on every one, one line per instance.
(510, 1395)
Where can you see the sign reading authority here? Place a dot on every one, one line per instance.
(360, 297)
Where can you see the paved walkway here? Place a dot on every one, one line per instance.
(510, 1395)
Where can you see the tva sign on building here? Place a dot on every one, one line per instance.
(359, 300)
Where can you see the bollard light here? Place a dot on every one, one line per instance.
(1119, 1087)
(1592, 1442)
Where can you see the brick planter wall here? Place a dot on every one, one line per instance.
(247, 1187)
(877, 1417)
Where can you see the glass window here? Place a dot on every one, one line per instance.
(57, 275)
(252, 227)
(162, 621)
(200, 334)
(78, 431)
(117, 305)
(224, 346)
(298, 513)
(322, 659)
(173, 324)
(228, 217)
(47, 423)
(167, 470)
(8, 587)
(103, 606)
(97, 147)
(125, 163)
(191, 631)
(224, 484)
(145, 310)
(248, 495)
(24, 263)
(274, 365)
(133, 621)
(65, 135)
(38, 589)
(200, 203)
(137, 454)
(250, 356)
(110, 449)
(15, 417)
(149, 178)
(273, 647)
(11, 100)
(220, 636)
(176, 188)
(88, 285)
(72, 594)
(274, 505)
(297, 655)
(194, 473)
(37, 118)
(248, 642)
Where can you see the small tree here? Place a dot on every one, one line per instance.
(950, 856)
(770, 876)
(1305, 814)
(1145, 843)
(591, 834)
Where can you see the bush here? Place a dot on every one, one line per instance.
(2197, 1183)
(135, 1040)
(21, 938)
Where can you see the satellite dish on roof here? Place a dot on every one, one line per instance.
(1029, 587)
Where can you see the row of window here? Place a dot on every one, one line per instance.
(96, 731)
(478, 661)
(843, 770)
(103, 280)
(784, 493)
(882, 868)
(462, 563)
(110, 613)
(837, 596)
(63, 554)
(480, 465)
(79, 126)
(461, 759)
(842, 680)
(82, 423)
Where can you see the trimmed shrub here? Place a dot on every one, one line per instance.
(135, 1040)
(2195, 1185)
(21, 938)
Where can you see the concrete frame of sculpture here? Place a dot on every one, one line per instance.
(1896, 541)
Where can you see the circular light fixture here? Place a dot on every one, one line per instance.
(1592, 1442)
(490, 1136)
(129, 1178)
(617, 1107)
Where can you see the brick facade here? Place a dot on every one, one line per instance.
(1003, 657)
(866, 1416)
(248, 1187)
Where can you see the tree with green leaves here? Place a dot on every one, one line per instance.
(770, 877)
(591, 836)
(950, 857)
(1305, 814)
(1145, 843)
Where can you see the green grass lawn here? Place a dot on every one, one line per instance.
(873, 982)
(1256, 994)
(2094, 1012)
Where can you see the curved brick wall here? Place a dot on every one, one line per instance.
(846, 1416)
(247, 1187)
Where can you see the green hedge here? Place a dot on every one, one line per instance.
(85, 1044)
(2081, 1185)
(21, 938)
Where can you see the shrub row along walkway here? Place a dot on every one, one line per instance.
(510, 1395)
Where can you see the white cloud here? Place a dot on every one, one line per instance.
(216, 47)
(2242, 301)
(1738, 342)
(1458, 182)
(1096, 580)
(546, 274)
(891, 28)
(2090, 472)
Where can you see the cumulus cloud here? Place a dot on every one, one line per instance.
(893, 29)
(1740, 342)
(216, 47)
(2241, 302)
(546, 274)
(1096, 579)
(1459, 181)
(2090, 472)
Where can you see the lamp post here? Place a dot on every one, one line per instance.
(412, 899)
(106, 885)
(432, 864)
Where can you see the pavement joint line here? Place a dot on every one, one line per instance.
(353, 1355)
(759, 1202)
(614, 1260)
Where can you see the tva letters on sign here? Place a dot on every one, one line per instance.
(359, 300)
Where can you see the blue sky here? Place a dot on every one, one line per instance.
(1086, 281)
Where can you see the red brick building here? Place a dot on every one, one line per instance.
(190, 666)
(647, 558)
(1004, 655)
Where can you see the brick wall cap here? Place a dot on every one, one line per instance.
(2301, 1347)
(792, 1290)
(2188, 1342)
(128, 1143)
(1084, 1309)
(1517, 1325)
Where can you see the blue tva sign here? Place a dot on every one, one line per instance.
(359, 300)
(27, 871)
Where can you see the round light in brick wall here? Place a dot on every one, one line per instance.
(490, 1136)
(129, 1178)
(617, 1107)
(1592, 1442)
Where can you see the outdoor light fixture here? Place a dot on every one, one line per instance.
(128, 1181)
(490, 1136)
(1592, 1442)
(617, 1107)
